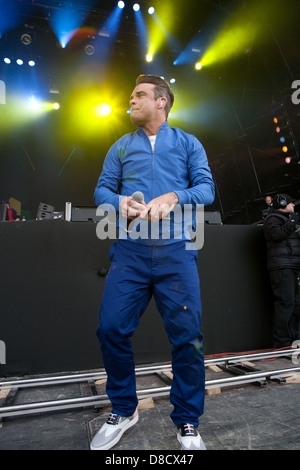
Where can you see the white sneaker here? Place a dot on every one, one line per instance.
(189, 437)
(112, 431)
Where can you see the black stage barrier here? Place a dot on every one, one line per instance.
(52, 279)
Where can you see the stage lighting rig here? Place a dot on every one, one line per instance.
(19, 61)
(284, 130)
(89, 49)
(26, 39)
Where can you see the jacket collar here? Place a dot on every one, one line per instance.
(164, 126)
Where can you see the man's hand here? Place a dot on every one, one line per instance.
(131, 209)
(159, 207)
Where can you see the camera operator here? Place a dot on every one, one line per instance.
(281, 228)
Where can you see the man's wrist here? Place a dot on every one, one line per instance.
(176, 198)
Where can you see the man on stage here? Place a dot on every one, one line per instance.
(169, 167)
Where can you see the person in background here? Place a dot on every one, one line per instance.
(268, 200)
(11, 213)
(281, 229)
(268, 208)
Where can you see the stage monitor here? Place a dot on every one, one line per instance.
(84, 214)
(212, 217)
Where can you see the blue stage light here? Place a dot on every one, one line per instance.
(143, 33)
(65, 22)
(107, 33)
(121, 4)
(136, 7)
(7, 60)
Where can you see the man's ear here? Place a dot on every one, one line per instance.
(162, 102)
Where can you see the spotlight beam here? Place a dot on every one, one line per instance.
(142, 30)
(65, 22)
(160, 30)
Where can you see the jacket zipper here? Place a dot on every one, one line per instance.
(152, 150)
(152, 153)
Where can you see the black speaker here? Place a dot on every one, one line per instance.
(3, 212)
(45, 212)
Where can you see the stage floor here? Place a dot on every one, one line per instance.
(243, 417)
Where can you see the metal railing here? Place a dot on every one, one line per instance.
(98, 400)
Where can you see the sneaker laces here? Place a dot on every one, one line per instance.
(113, 419)
(188, 430)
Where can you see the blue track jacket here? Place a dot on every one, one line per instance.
(178, 163)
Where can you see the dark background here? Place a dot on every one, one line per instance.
(52, 283)
(56, 157)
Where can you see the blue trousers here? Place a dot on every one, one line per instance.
(170, 274)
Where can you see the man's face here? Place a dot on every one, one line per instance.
(268, 200)
(144, 107)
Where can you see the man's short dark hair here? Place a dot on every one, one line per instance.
(161, 90)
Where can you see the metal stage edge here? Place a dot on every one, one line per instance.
(98, 400)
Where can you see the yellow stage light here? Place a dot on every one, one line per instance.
(102, 110)
(149, 57)
(92, 111)
(239, 33)
(159, 28)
